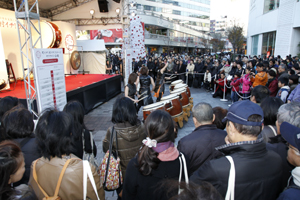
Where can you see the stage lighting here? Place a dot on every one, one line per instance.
(118, 10)
(133, 14)
(92, 12)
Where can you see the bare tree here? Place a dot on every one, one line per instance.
(217, 42)
(236, 37)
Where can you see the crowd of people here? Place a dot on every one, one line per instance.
(250, 151)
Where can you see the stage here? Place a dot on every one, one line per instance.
(89, 89)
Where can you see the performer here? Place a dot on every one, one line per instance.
(160, 81)
(130, 88)
(145, 82)
(108, 67)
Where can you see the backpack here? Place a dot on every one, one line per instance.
(55, 196)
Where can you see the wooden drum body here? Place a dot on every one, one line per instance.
(147, 110)
(185, 102)
(51, 34)
(181, 86)
(172, 104)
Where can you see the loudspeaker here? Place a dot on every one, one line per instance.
(117, 1)
(103, 5)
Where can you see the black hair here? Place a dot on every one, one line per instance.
(17, 123)
(229, 62)
(75, 108)
(124, 111)
(239, 63)
(283, 80)
(294, 78)
(219, 113)
(7, 103)
(270, 106)
(237, 74)
(260, 92)
(272, 73)
(132, 78)
(260, 65)
(53, 134)
(296, 66)
(249, 130)
(11, 159)
(159, 126)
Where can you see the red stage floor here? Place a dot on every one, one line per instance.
(72, 83)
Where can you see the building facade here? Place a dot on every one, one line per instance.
(274, 27)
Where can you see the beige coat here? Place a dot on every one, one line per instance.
(72, 182)
(190, 67)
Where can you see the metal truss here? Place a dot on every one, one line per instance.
(66, 6)
(95, 21)
(24, 17)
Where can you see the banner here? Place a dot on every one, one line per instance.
(108, 35)
(3, 71)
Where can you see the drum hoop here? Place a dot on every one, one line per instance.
(178, 82)
(171, 98)
(152, 108)
(178, 91)
(177, 115)
(53, 34)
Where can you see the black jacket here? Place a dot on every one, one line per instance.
(151, 66)
(200, 68)
(258, 172)
(137, 186)
(199, 146)
(182, 68)
(31, 153)
(78, 146)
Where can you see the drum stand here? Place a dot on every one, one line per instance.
(179, 119)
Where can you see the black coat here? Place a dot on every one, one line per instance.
(199, 146)
(151, 66)
(258, 172)
(182, 68)
(200, 68)
(137, 186)
(31, 153)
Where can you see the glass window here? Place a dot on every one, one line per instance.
(271, 5)
(254, 45)
(268, 45)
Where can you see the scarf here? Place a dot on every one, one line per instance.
(296, 176)
(169, 154)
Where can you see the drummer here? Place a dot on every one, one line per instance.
(160, 81)
(145, 92)
(130, 88)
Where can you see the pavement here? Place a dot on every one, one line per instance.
(99, 120)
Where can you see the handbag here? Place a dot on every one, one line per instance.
(186, 176)
(89, 156)
(110, 169)
(55, 196)
(87, 172)
(231, 180)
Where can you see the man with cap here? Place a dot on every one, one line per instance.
(257, 170)
(292, 135)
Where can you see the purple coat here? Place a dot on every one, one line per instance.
(295, 94)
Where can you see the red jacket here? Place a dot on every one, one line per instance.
(221, 84)
(235, 83)
(273, 87)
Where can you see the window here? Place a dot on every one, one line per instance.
(254, 45)
(268, 45)
(271, 5)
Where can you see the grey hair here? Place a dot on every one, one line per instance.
(203, 112)
(283, 66)
(289, 113)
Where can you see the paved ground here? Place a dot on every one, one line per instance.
(100, 119)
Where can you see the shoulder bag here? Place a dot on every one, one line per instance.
(110, 169)
(89, 156)
(231, 180)
(87, 172)
(186, 176)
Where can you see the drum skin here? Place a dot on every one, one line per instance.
(146, 113)
(57, 37)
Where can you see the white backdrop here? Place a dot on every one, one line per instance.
(93, 62)
(3, 71)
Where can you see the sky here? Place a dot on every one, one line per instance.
(235, 10)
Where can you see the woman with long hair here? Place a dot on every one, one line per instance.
(12, 168)
(156, 161)
(129, 131)
(108, 67)
(159, 88)
(145, 82)
(80, 132)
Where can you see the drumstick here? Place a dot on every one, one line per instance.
(143, 93)
(143, 98)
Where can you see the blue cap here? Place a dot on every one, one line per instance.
(291, 134)
(240, 111)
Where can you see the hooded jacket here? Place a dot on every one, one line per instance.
(283, 93)
(129, 141)
(258, 171)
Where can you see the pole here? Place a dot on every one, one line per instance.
(224, 99)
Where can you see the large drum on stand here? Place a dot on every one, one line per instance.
(182, 85)
(174, 83)
(51, 34)
(185, 102)
(174, 108)
(147, 110)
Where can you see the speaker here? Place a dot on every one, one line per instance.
(117, 1)
(103, 7)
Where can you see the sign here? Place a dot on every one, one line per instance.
(69, 41)
(128, 65)
(3, 70)
(108, 35)
(50, 79)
